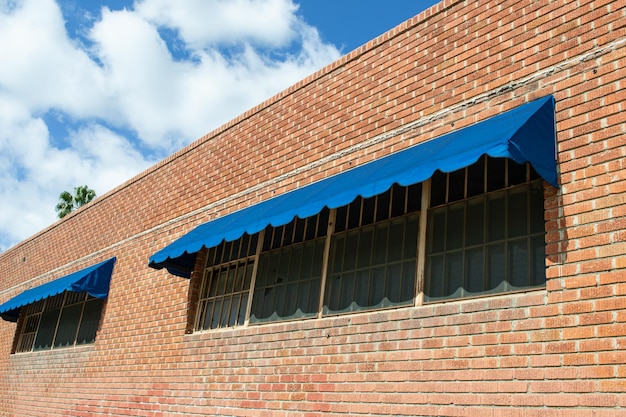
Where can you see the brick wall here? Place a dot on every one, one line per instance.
(554, 352)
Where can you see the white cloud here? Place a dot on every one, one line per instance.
(206, 23)
(160, 73)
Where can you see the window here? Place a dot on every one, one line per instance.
(226, 284)
(66, 319)
(483, 231)
(373, 252)
(290, 270)
(485, 236)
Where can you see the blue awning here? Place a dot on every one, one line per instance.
(93, 280)
(523, 134)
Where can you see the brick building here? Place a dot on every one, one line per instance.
(432, 225)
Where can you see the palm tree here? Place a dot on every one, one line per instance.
(68, 202)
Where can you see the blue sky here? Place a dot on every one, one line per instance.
(94, 92)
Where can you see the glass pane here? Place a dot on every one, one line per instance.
(408, 281)
(517, 221)
(347, 291)
(279, 302)
(410, 239)
(239, 279)
(456, 185)
(538, 262)
(436, 230)
(47, 327)
(398, 200)
(241, 318)
(217, 310)
(454, 274)
(214, 283)
(302, 298)
(518, 263)
(349, 256)
(495, 173)
(455, 228)
(307, 259)
(438, 189)
(517, 173)
(256, 312)
(90, 322)
(361, 296)
(369, 205)
(434, 276)
(248, 280)
(476, 178)
(295, 265)
(230, 280)
(333, 293)
(393, 285)
(474, 270)
(341, 217)
(234, 310)
(68, 325)
(496, 273)
(474, 225)
(414, 202)
(318, 258)
(382, 206)
(377, 284)
(336, 253)
(314, 298)
(380, 243)
(537, 221)
(226, 303)
(299, 229)
(354, 214)
(291, 300)
(288, 234)
(495, 217)
(283, 269)
(396, 239)
(365, 248)
(208, 317)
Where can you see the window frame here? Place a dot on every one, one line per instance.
(30, 322)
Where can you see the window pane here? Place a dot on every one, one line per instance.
(414, 201)
(455, 226)
(495, 173)
(453, 274)
(517, 173)
(538, 262)
(438, 189)
(474, 225)
(369, 207)
(347, 292)
(436, 230)
(456, 185)
(410, 242)
(365, 248)
(282, 289)
(377, 287)
(434, 272)
(474, 271)
(398, 200)
(68, 325)
(518, 263)
(408, 281)
(90, 321)
(496, 273)
(382, 206)
(362, 290)
(380, 243)
(396, 239)
(517, 221)
(476, 178)
(393, 285)
(47, 327)
(496, 217)
(537, 220)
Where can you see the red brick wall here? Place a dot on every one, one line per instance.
(554, 352)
